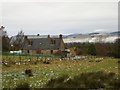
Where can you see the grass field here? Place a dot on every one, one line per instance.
(42, 73)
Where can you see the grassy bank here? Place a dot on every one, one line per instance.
(43, 73)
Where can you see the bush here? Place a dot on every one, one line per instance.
(117, 48)
(86, 80)
(92, 50)
(22, 86)
(28, 72)
(57, 83)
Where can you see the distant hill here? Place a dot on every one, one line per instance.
(92, 37)
(72, 35)
(93, 33)
(115, 33)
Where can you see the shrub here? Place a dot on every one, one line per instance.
(86, 80)
(28, 72)
(92, 50)
(22, 86)
(57, 83)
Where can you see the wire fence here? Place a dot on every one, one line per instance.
(28, 54)
(9, 59)
(23, 56)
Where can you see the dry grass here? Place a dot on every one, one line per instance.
(42, 73)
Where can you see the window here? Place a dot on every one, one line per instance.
(52, 42)
(30, 42)
(38, 51)
(28, 51)
(51, 51)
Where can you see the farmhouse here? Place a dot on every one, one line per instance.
(44, 45)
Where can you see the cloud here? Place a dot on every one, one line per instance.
(64, 17)
(101, 30)
(105, 30)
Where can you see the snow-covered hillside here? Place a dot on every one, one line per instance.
(94, 38)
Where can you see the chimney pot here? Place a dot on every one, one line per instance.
(2, 27)
(48, 36)
(38, 34)
(60, 36)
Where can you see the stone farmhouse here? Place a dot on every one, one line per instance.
(43, 45)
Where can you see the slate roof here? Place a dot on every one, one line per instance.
(42, 44)
(35, 36)
(41, 36)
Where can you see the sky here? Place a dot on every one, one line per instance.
(59, 17)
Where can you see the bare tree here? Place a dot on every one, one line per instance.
(17, 41)
(5, 39)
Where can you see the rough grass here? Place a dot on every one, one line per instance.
(42, 73)
(86, 80)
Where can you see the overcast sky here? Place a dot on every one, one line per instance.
(59, 17)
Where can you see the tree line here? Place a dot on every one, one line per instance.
(96, 49)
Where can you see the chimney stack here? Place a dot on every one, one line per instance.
(2, 27)
(38, 34)
(60, 36)
(48, 36)
(26, 37)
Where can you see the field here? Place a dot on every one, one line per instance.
(13, 69)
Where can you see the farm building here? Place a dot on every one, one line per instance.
(43, 45)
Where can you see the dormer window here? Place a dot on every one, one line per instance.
(52, 41)
(30, 42)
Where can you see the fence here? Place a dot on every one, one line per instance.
(22, 56)
(28, 54)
